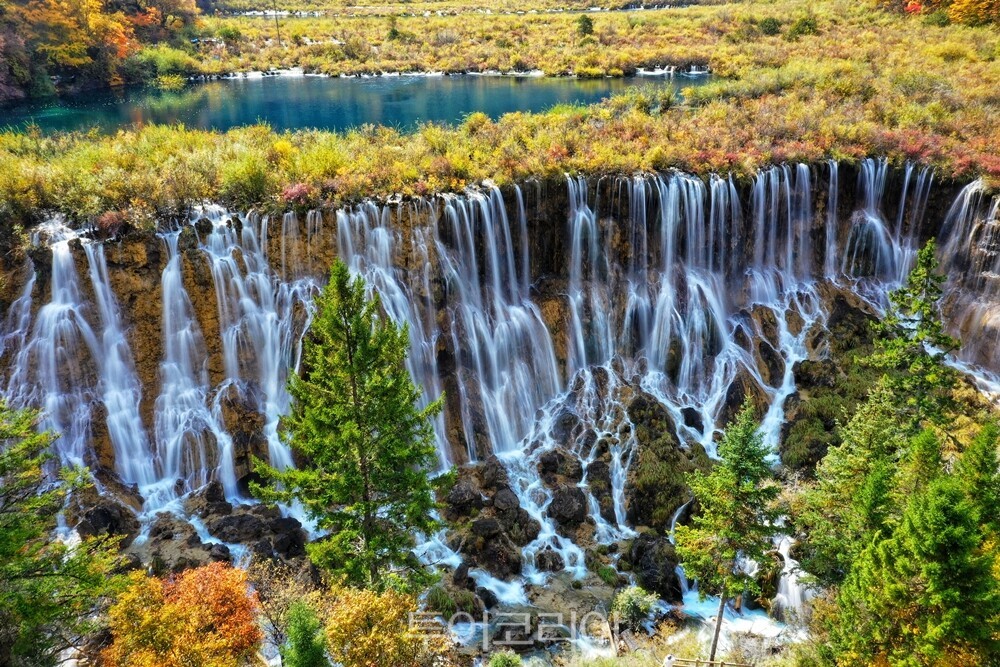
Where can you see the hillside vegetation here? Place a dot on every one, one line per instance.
(844, 81)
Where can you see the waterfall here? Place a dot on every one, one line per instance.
(832, 199)
(257, 316)
(667, 288)
(368, 244)
(54, 369)
(189, 449)
(970, 256)
(792, 594)
(119, 386)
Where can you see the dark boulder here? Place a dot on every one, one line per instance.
(173, 546)
(208, 501)
(549, 560)
(493, 474)
(93, 513)
(568, 507)
(505, 500)
(242, 527)
(486, 527)
(654, 563)
(692, 419)
(461, 577)
(559, 463)
(463, 499)
(106, 516)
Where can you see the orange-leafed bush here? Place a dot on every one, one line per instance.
(205, 617)
(974, 12)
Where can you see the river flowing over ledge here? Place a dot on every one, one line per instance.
(570, 325)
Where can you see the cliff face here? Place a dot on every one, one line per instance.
(588, 333)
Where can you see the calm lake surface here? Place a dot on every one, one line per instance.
(288, 102)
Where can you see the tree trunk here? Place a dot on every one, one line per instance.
(718, 625)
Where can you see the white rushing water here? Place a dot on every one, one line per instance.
(671, 288)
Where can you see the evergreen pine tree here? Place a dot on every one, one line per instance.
(979, 470)
(50, 592)
(305, 646)
(736, 517)
(911, 344)
(926, 594)
(851, 498)
(368, 450)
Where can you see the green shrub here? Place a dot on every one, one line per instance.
(440, 601)
(632, 606)
(505, 658)
(584, 26)
(164, 60)
(770, 26)
(305, 646)
(938, 18)
(804, 25)
(246, 181)
(230, 34)
(608, 575)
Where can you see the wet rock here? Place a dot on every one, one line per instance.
(493, 474)
(501, 557)
(110, 484)
(599, 481)
(245, 424)
(505, 500)
(654, 564)
(568, 507)
(93, 514)
(289, 539)
(692, 419)
(173, 546)
(103, 450)
(810, 374)
(770, 364)
(488, 597)
(208, 501)
(849, 323)
(565, 427)
(655, 487)
(241, 528)
(743, 386)
(464, 498)
(522, 529)
(203, 226)
(559, 463)
(766, 323)
(220, 553)
(549, 560)
(461, 578)
(486, 528)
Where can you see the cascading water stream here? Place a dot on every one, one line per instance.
(54, 369)
(260, 332)
(673, 288)
(189, 448)
(119, 385)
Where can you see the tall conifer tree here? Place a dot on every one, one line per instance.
(367, 448)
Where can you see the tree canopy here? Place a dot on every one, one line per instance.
(368, 448)
(50, 591)
(736, 517)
